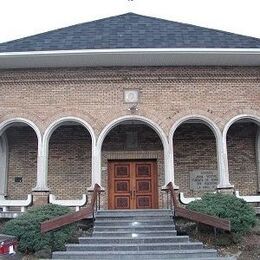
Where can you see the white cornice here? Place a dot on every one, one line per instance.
(131, 57)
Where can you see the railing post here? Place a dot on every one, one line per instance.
(167, 198)
(99, 200)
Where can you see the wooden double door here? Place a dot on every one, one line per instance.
(132, 185)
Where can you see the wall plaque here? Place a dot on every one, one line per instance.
(131, 96)
(203, 180)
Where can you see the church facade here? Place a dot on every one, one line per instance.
(131, 103)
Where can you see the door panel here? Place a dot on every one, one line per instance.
(132, 185)
(145, 185)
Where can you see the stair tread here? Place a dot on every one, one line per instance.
(144, 251)
(144, 238)
(138, 244)
(152, 226)
(145, 231)
(133, 210)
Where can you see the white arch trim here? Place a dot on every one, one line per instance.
(97, 177)
(222, 171)
(4, 153)
(8, 123)
(43, 177)
(254, 118)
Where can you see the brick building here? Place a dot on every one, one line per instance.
(129, 102)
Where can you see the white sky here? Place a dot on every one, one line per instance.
(19, 18)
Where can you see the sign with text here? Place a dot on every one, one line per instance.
(203, 180)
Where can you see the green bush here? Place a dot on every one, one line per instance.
(241, 215)
(27, 229)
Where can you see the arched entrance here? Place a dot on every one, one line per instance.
(20, 140)
(68, 148)
(196, 154)
(242, 137)
(132, 163)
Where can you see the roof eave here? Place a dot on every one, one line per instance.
(131, 57)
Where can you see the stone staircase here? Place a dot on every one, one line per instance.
(135, 234)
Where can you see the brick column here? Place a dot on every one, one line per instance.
(3, 165)
(258, 157)
(40, 198)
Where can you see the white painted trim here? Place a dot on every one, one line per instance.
(132, 57)
(4, 155)
(5, 204)
(256, 119)
(43, 177)
(8, 123)
(249, 199)
(97, 177)
(69, 203)
(222, 172)
(140, 50)
(186, 201)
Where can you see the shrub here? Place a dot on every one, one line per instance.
(27, 229)
(241, 215)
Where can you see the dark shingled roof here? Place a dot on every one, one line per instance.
(130, 31)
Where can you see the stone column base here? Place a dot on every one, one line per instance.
(226, 190)
(40, 198)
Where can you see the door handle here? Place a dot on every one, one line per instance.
(134, 194)
(131, 194)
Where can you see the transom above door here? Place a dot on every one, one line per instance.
(132, 185)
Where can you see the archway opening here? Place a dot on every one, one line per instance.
(69, 161)
(195, 158)
(132, 159)
(243, 156)
(19, 148)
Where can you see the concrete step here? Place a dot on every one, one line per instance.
(135, 218)
(126, 223)
(134, 247)
(136, 211)
(133, 213)
(134, 228)
(121, 240)
(140, 255)
(133, 234)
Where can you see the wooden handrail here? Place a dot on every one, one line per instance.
(70, 218)
(196, 216)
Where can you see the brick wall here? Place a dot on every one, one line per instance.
(69, 167)
(241, 141)
(194, 149)
(96, 95)
(22, 162)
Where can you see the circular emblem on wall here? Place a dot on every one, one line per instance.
(131, 96)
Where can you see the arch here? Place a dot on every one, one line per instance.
(42, 184)
(57, 123)
(255, 119)
(8, 123)
(222, 173)
(236, 118)
(116, 122)
(212, 125)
